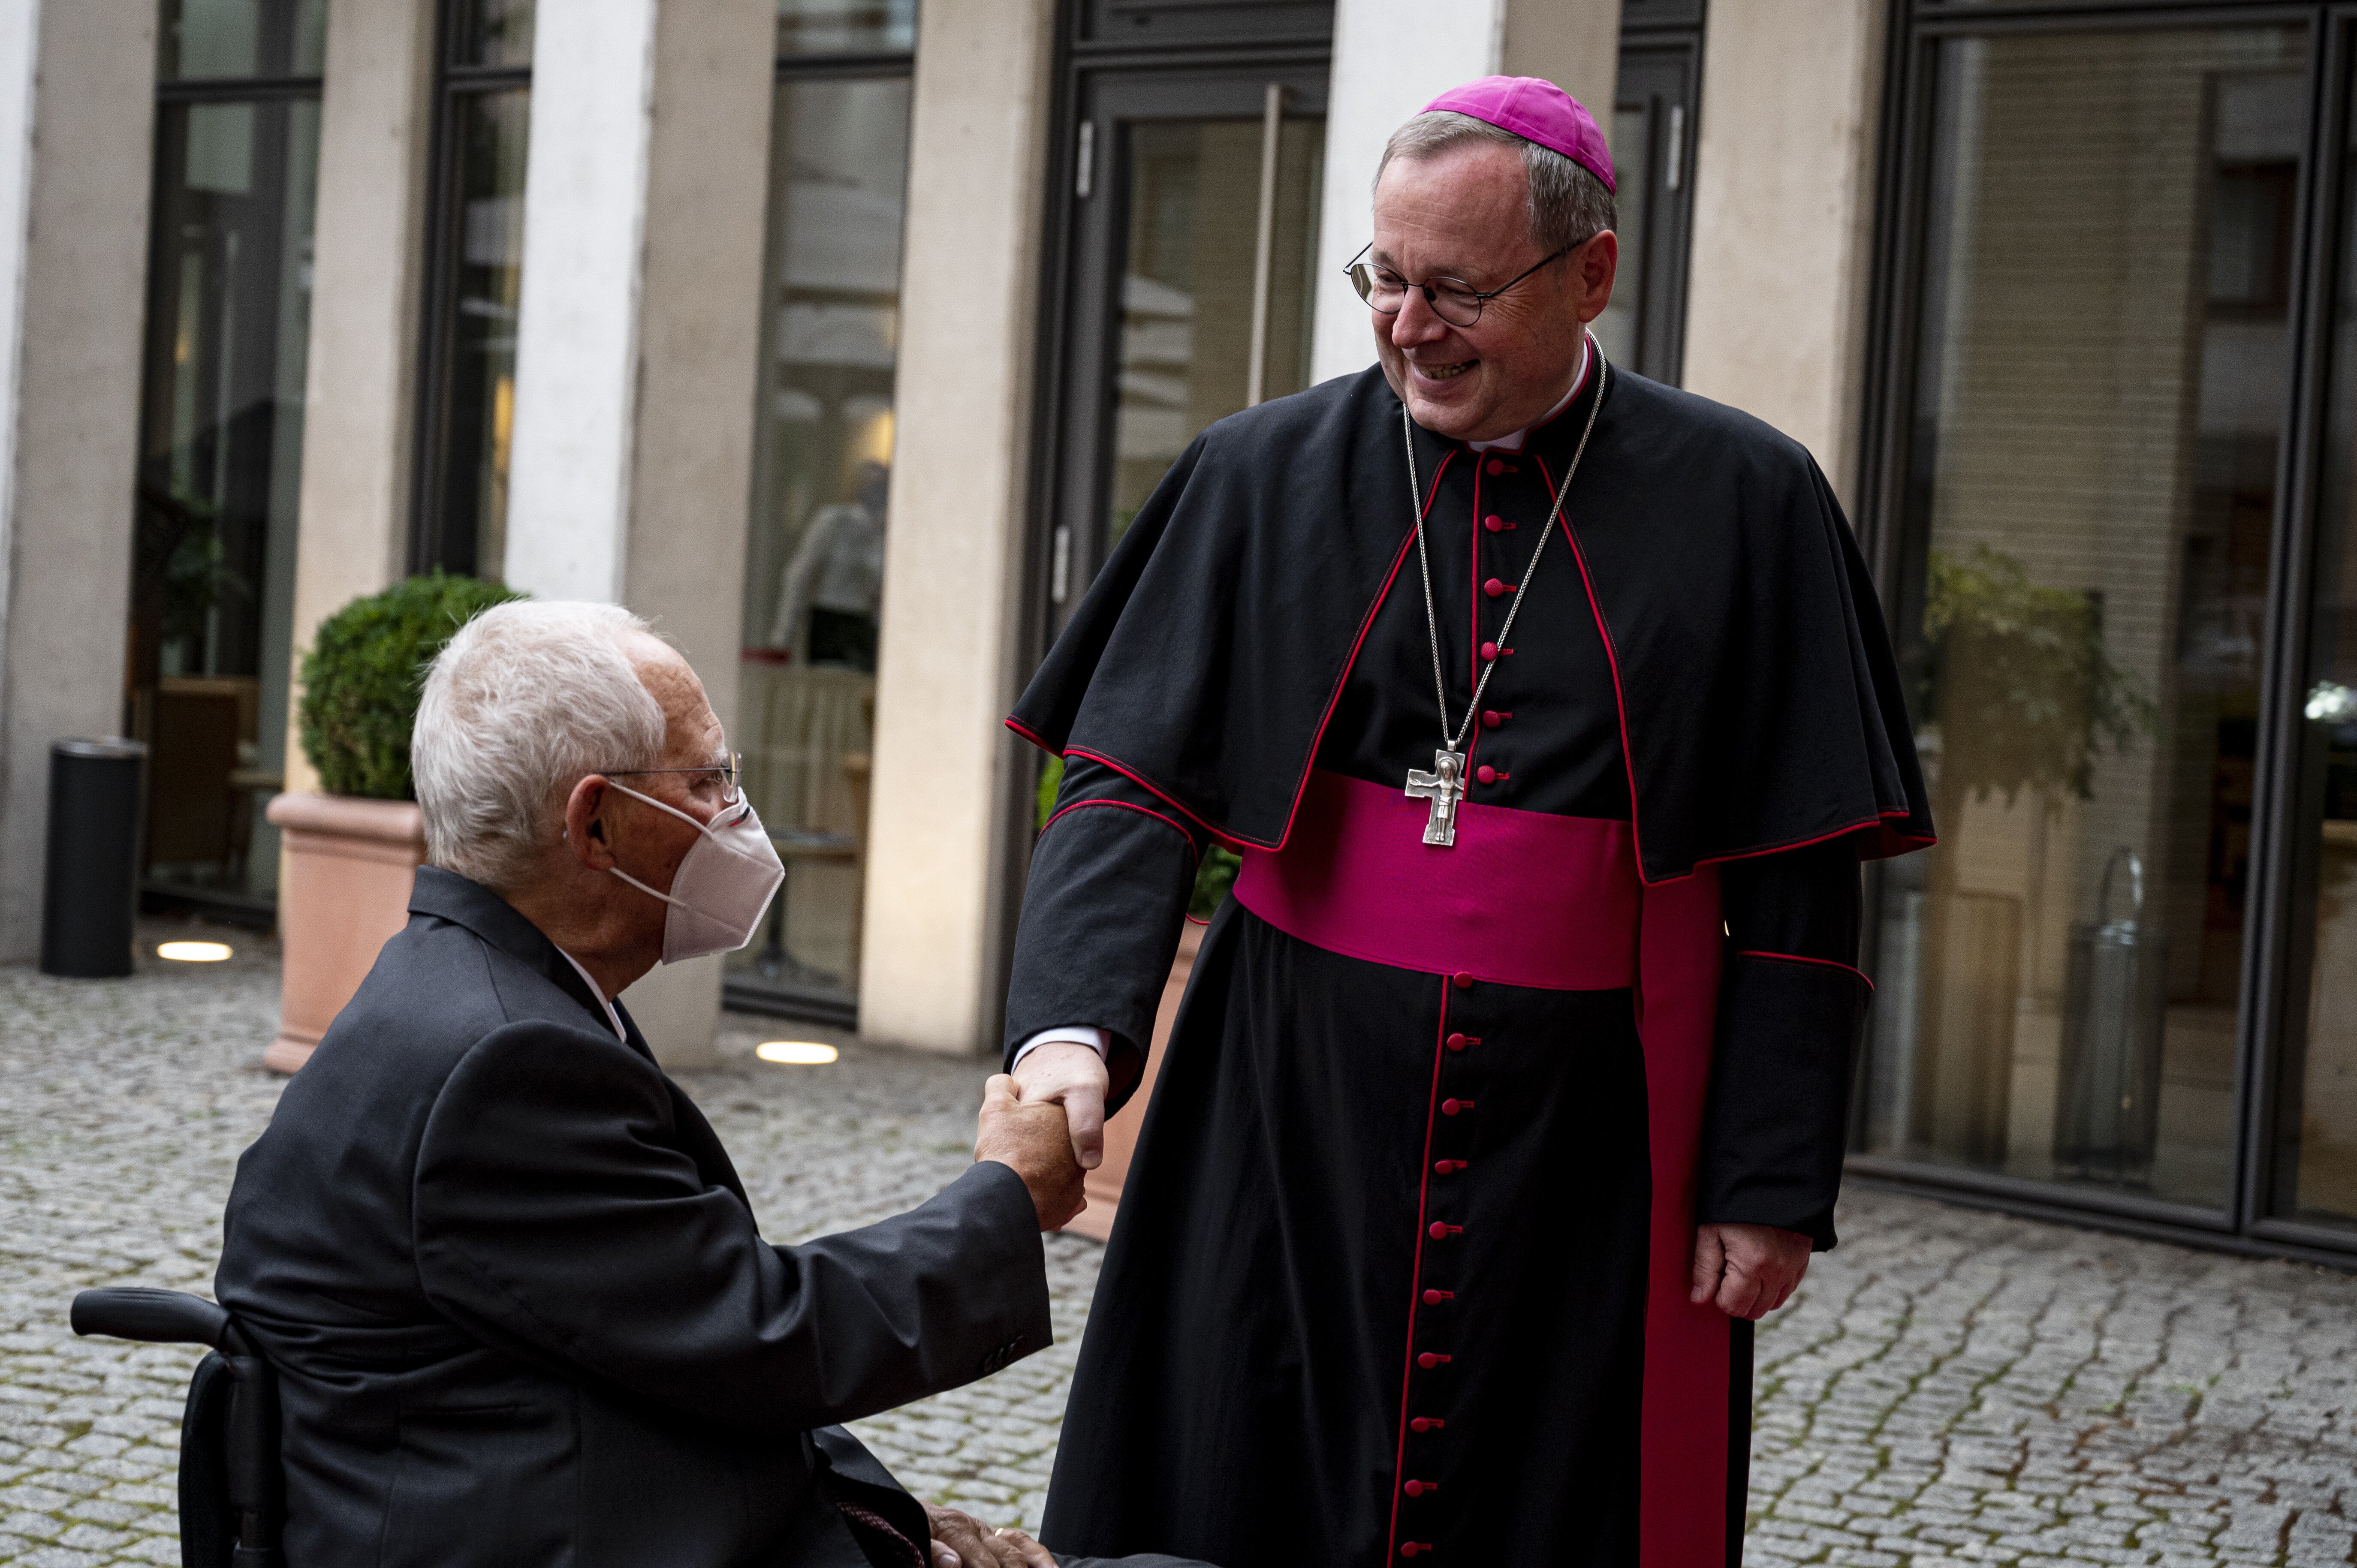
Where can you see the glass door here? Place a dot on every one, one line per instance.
(2100, 366)
(1644, 328)
(2314, 1152)
(1195, 216)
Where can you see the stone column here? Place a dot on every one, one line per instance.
(368, 266)
(1781, 269)
(77, 133)
(944, 766)
(635, 369)
(1392, 57)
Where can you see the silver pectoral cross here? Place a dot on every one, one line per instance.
(1443, 787)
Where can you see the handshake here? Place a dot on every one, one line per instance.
(1034, 1139)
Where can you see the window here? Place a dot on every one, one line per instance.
(2114, 512)
(823, 465)
(474, 286)
(221, 450)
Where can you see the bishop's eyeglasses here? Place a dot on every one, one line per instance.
(1454, 300)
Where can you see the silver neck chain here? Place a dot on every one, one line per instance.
(1431, 619)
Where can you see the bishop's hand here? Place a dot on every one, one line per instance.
(1029, 1139)
(1074, 1076)
(1746, 1270)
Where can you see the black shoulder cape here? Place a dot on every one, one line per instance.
(1760, 704)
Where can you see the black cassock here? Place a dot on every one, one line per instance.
(1401, 1265)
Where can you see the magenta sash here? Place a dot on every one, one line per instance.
(1522, 899)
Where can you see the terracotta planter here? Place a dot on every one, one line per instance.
(346, 866)
(1120, 1133)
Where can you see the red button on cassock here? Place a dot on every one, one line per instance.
(1417, 1488)
(1438, 1230)
(1488, 651)
(1413, 1548)
(1493, 522)
(1462, 979)
(1497, 465)
(1458, 1042)
(1491, 718)
(1487, 774)
(1427, 1424)
(1448, 1168)
(1428, 1360)
(1493, 587)
(1435, 1297)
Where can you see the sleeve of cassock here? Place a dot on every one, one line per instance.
(556, 1217)
(1792, 1012)
(1110, 880)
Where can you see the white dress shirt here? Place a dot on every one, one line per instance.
(611, 1016)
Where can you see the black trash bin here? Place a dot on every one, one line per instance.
(91, 890)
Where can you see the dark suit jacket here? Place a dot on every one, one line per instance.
(519, 1309)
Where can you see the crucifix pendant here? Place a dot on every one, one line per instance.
(1443, 787)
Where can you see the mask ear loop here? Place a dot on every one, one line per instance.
(706, 829)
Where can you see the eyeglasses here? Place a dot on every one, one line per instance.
(1454, 300)
(729, 776)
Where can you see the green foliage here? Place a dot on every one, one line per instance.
(1051, 778)
(1213, 878)
(364, 672)
(2024, 691)
(197, 575)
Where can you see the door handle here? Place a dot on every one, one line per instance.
(1272, 124)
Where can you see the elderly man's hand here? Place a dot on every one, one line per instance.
(1030, 1138)
(1746, 1270)
(1074, 1076)
(960, 1541)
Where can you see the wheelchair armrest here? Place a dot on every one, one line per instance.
(158, 1316)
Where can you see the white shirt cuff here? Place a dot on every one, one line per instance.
(1096, 1040)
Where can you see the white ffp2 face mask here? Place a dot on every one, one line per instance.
(722, 886)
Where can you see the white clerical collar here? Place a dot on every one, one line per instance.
(611, 1016)
(1515, 443)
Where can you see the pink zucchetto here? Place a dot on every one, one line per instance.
(1537, 110)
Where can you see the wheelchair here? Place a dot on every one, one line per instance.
(232, 1501)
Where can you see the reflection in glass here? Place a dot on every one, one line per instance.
(219, 463)
(815, 557)
(2090, 494)
(201, 40)
(842, 26)
(485, 236)
(492, 33)
(1187, 288)
(2315, 1122)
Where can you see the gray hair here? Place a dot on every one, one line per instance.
(1568, 205)
(527, 698)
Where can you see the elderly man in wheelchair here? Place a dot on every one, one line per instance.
(490, 1292)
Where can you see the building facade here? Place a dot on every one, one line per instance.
(843, 338)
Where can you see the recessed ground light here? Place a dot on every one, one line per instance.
(194, 953)
(796, 1053)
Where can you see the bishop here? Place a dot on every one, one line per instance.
(1467, 1168)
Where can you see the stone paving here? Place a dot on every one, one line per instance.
(1948, 1387)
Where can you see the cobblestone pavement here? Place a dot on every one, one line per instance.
(1948, 1386)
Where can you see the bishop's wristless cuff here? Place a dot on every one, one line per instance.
(1097, 1040)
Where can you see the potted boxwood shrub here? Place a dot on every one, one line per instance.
(349, 851)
